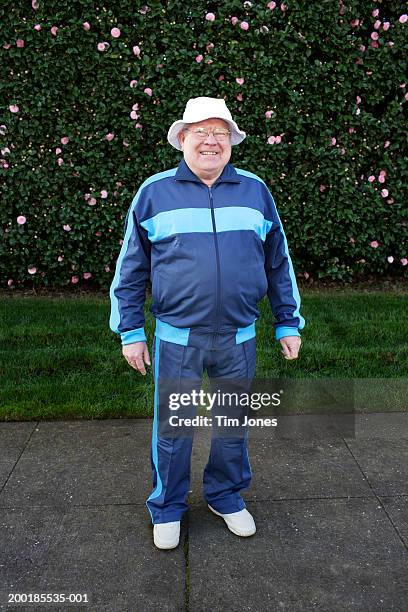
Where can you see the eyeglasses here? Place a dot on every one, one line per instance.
(202, 133)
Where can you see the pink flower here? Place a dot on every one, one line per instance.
(271, 5)
(10, 282)
(21, 219)
(375, 12)
(66, 228)
(358, 99)
(107, 269)
(381, 178)
(74, 280)
(221, 77)
(240, 81)
(374, 244)
(271, 140)
(210, 17)
(109, 137)
(115, 32)
(133, 83)
(390, 259)
(268, 114)
(20, 43)
(136, 50)
(104, 194)
(239, 97)
(377, 24)
(386, 25)
(54, 30)
(102, 46)
(333, 141)
(86, 26)
(135, 106)
(384, 193)
(32, 270)
(35, 4)
(371, 178)
(362, 48)
(278, 139)
(386, 144)
(244, 25)
(14, 108)
(199, 59)
(138, 126)
(374, 35)
(92, 201)
(283, 7)
(60, 161)
(60, 258)
(403, 18)
(65, 140)
(322, 188)
(37, 27)
(134, 115)
(355, 23)
(234, 20)
(148, 91)
(404, 261)
(87, 275)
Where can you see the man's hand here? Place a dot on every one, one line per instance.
(290, 346)
(137, 355)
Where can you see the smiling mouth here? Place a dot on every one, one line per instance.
(209, 153)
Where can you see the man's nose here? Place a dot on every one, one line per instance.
(210, 139)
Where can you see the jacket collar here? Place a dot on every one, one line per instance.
(228, 175)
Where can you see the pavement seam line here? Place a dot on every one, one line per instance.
(186, 550)
(19, 457)
(379, 500)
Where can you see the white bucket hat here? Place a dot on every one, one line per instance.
(198, 109)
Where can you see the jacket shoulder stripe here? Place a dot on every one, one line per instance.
(114, 320)
(295, 291)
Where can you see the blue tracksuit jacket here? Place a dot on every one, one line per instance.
(211, 253)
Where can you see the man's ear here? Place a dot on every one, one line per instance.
(181, 137)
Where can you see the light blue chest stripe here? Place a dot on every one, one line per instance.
(198, 220)
(295, 290)
(114, 320)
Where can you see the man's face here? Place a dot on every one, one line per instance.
(206, 157)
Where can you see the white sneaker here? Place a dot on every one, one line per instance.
(241, 523)
(166, 535)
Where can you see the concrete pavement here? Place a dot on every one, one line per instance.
(331, 515)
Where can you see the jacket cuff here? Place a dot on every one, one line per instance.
(135, 335)
(283, 331)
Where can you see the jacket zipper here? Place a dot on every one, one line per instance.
(217, 257)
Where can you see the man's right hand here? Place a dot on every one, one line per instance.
(137, 355)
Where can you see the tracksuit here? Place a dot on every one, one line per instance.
(211, 254)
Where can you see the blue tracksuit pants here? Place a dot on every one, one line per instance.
(178, 368)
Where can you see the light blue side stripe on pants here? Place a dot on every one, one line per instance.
(159, 485)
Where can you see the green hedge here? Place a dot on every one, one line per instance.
(336, 94)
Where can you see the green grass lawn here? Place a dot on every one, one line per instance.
(59, 358)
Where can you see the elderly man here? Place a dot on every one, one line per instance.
(210, 239)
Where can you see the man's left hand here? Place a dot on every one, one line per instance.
(290, 346)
